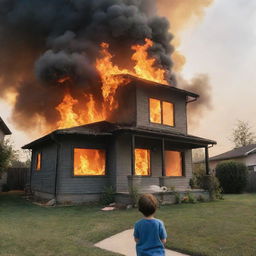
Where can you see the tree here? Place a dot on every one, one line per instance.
(242, 134)
(6, 153)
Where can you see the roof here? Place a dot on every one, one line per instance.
(235, 153)
(4, 128)
(152, 84)
(105, 128)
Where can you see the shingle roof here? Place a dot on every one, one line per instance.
(105, 128)
(235, 153)
(4, 127)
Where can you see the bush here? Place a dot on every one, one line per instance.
(134, 195)
(212, 184)
(5, 188)
(232, 176)
(108, 196)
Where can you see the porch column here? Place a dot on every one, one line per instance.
(163, 160)
(132, 154)
(207, 169)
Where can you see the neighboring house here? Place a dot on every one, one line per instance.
(144, 143)
(4, 130)
(246, 155)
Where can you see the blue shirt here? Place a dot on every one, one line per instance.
(150, 232)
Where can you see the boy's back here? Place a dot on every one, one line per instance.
(149, 233)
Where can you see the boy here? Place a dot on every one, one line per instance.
(149, 233)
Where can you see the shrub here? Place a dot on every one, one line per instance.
(108, 195)
(232, 176)
(134, 195)
(5, 188)
(212, 184)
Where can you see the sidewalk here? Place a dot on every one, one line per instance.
(123, 243)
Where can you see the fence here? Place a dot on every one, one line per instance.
(17, 178)
(251, 186)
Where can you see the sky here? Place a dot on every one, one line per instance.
(223, 46)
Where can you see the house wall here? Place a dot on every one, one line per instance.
(74, 188)
(213, 164)
(44, 180)
(250, 160)
(179, 101)
(123, 166)
(1, 136)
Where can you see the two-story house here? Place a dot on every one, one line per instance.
(144, 143)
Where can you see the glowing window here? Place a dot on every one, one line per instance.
(173, 163)
(89, 162)
(155, 111)
(168, 113)
(161, 112)
(142, 162)
(38, 161)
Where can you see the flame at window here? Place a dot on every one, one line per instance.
(142, 162)
(173, 163)
(89, 162)
(155, 111)
(38, 161)
(168, 118)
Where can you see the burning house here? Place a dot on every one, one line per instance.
(144, 142)
(96, 80)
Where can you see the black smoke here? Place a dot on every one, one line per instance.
(44, 40)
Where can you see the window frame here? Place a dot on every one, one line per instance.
(183, 165)
(36, 161)
(162, 113)
(91, 148)
(150, 163)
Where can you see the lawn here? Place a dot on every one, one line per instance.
(226, 227)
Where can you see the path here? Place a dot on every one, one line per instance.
(123, 243)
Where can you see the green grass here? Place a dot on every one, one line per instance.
(222, 228)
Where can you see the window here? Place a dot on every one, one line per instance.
(38, 161)
(173, 163)
(89, 162)
(161, 112)
(142, 162)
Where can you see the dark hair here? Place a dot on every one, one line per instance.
(147, 204)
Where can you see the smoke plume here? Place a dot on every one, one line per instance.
(45, 40)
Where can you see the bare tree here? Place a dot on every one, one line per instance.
(242, 134)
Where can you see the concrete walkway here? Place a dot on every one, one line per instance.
(124, 243)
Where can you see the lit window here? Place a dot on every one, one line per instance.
(155, 111)
(89, 162)
(168, 113)
(142, 162)
(38, 161)
(173, 163)
(161, 112)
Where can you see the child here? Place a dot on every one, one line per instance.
(149, 233)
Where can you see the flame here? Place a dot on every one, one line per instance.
(155, 111)
(38, 161)
(89, 162)
(144, 67)
(173, 163)
(64, 79)
(111, 81)
(142, 162)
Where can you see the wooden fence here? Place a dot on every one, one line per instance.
(17, 178)
(251, 186)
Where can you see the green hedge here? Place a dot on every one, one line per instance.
(232, 176)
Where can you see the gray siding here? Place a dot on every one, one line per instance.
(1, 136)
(67, 182)
(179, 101)
(44, 180)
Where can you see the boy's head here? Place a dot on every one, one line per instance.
(147, 204)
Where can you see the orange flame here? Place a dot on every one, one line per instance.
(89, 162)
(109, 72)
(142, 162)
(144, 67)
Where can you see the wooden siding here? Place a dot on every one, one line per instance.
(67, 182)
(44, 180)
